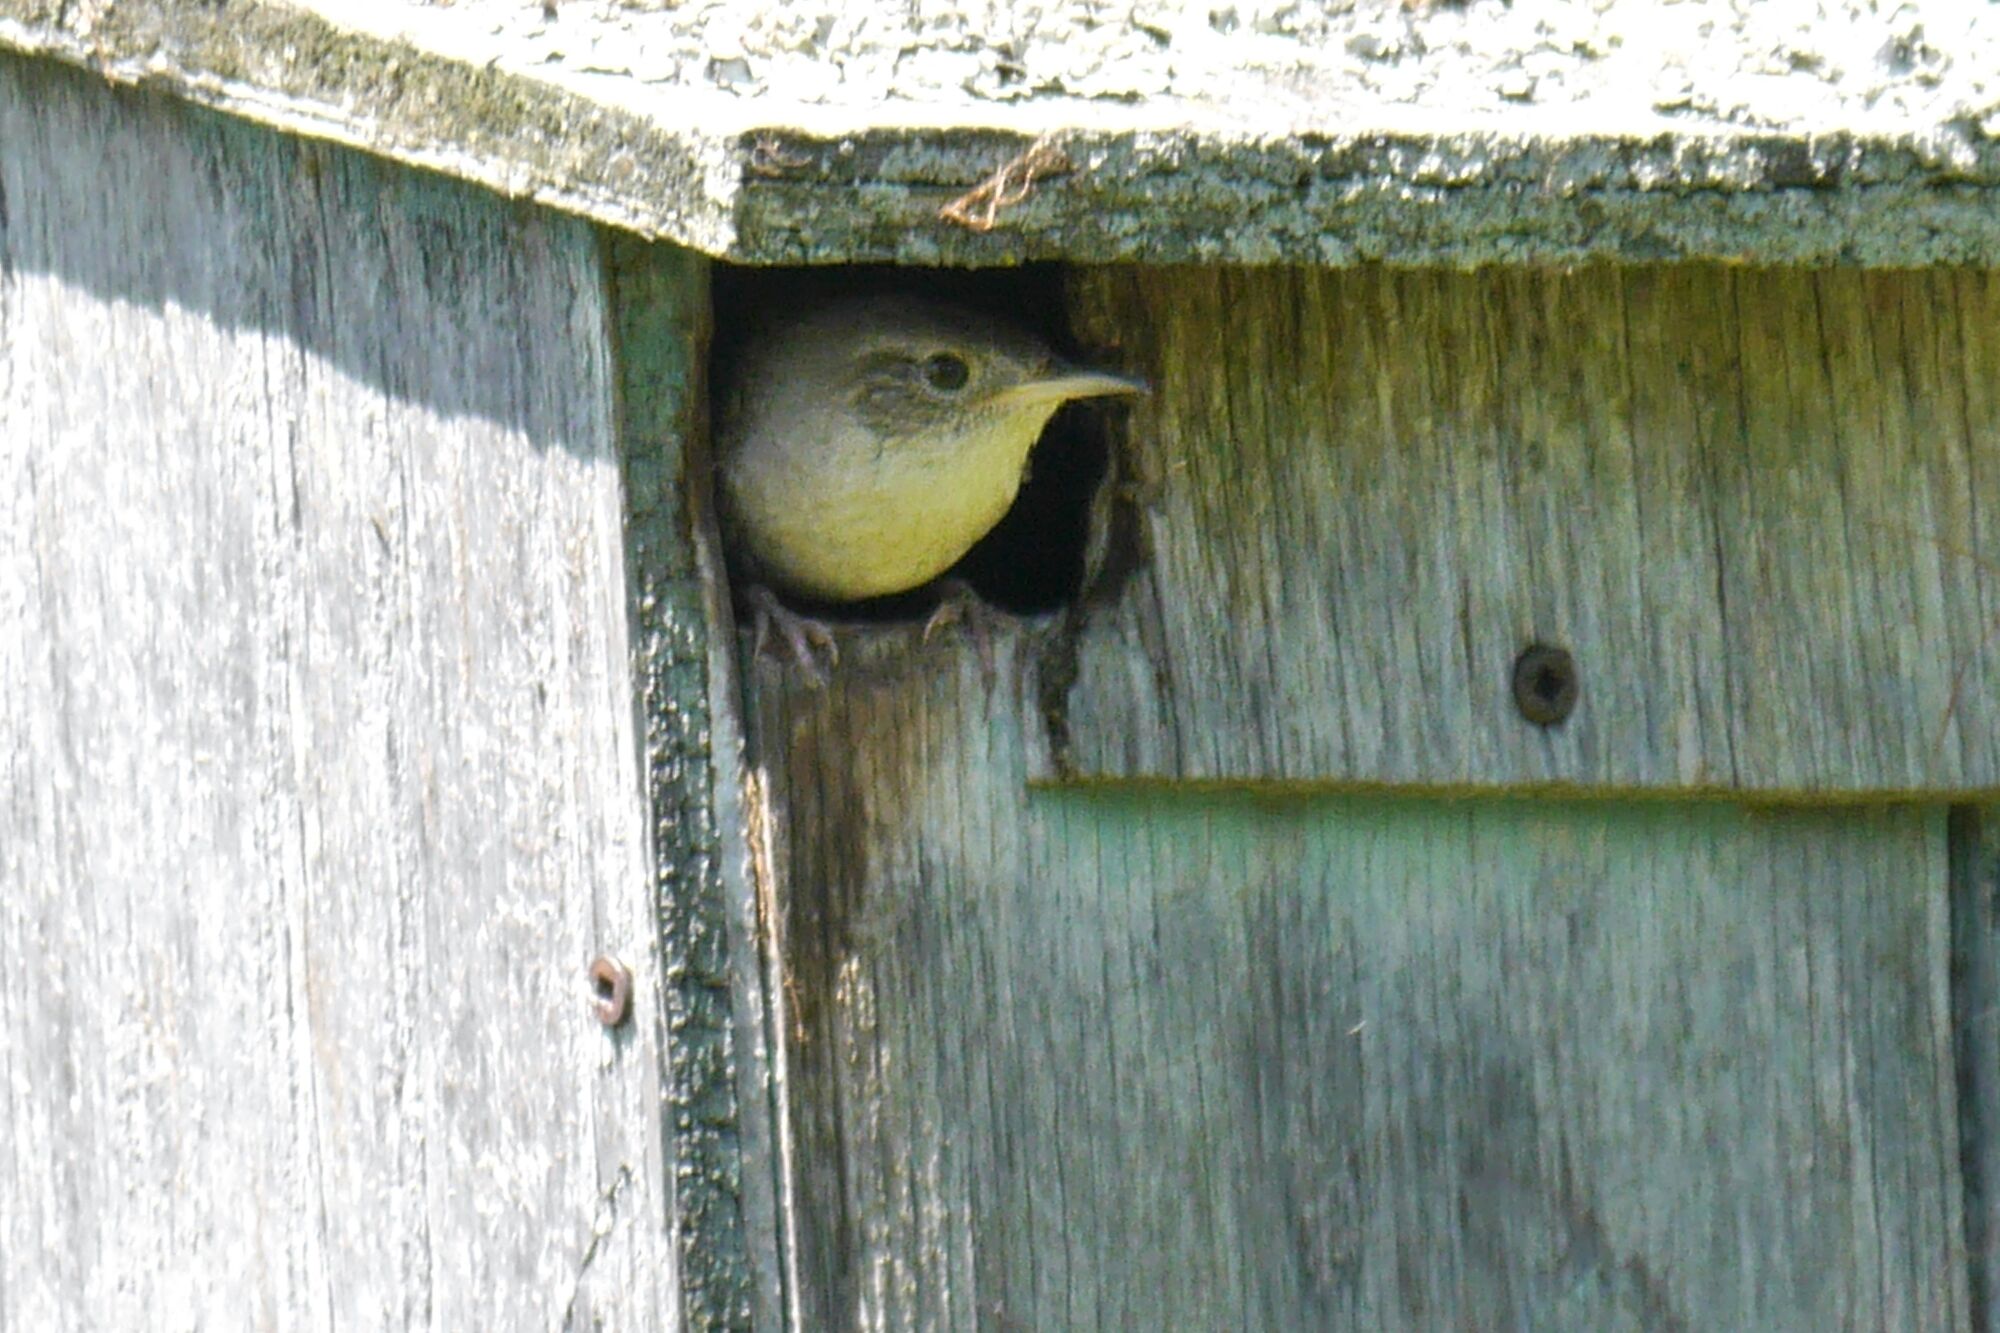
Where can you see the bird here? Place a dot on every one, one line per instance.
(864, 446)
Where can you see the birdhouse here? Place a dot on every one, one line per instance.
(1473, 802)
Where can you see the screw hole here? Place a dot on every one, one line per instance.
(611, 989)
(1545, 684)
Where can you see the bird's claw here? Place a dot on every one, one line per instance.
(958, 604)
(804, 637)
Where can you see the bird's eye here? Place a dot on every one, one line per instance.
(946, 372)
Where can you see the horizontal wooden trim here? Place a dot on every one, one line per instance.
(763, 179)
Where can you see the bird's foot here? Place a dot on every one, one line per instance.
(959, 605)
(803, 636)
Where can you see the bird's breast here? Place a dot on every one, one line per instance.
(859, 517)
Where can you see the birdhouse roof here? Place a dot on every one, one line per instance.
(1243, 131)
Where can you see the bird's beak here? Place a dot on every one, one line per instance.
(1065, 383)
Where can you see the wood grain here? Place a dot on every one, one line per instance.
(1169, 1057)
(713, 1025)
(1192, 141)
(1750, 502)
(321, 779)
(1975, 978)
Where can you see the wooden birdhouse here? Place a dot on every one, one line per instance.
(1477, 804)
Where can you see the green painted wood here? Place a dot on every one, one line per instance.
(1975, 943)
(712, 1020)
(1749, 502)
(1160, 1057)
(319, 780)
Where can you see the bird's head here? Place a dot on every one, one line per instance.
(929, 376)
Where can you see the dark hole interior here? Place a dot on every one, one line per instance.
(1548, 684)
(1033, 560)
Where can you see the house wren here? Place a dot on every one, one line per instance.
(862, 449)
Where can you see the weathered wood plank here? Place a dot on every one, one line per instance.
(1336, 134)
(712, 971)
(1975, 971)
(321, 784)
(1159, 1057)
(1747, 501)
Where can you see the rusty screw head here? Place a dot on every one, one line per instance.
(611, 983)
(1545, 684)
